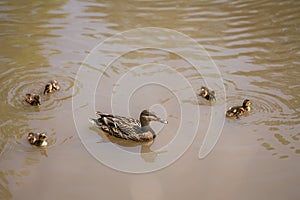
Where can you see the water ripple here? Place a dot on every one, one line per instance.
(33, 81)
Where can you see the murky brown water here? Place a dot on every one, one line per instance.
(256, 46)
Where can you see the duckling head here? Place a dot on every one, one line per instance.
(31, 138)
(247, 103)
(43, 137)
(204, 91)
(48, 88)
(55, 85)
(146, 117)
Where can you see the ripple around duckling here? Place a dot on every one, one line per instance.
(53, 139)
(276, 116)
(54, 100)
(23, 141)
(32, 81)
(266, 108)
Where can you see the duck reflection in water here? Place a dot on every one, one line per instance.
(145, 147)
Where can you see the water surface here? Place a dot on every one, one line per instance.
(254, 44)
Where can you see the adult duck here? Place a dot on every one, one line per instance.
(128, 128)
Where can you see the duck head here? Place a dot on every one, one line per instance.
(146, 117)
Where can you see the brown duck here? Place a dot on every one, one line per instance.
(126, 127)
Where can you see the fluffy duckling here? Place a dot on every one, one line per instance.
(128, 128)
(207, 94)
(37, 139)
(33, 99)
(237, 111)
(51, 86)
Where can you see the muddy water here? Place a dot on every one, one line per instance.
(255, 46)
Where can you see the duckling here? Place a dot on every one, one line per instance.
(51, 86)
(207, 94)
(237, 111)
(126, 127)
(37, 139)
(33, 99)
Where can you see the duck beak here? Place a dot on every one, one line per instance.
(93, 121)
(162, 120)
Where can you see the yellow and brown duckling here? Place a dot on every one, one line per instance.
(37, 139)
(126, 127)
(33, 99)
(237, 111)
(51, 87)
(207, 94)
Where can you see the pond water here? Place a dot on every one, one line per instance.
(123, 57)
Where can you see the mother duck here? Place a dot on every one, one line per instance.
(126, 127)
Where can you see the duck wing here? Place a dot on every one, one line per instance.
(119, 119)
(132, 129)
(128, 125)
(118, 126)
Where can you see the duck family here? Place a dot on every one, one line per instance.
(122, 127)
(40, 139)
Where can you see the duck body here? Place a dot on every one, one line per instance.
(207, 94)
(126, 127)
(37, 139)
(237, 111)
(33, 99)
(51, 87)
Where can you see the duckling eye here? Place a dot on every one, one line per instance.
(43, 136)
